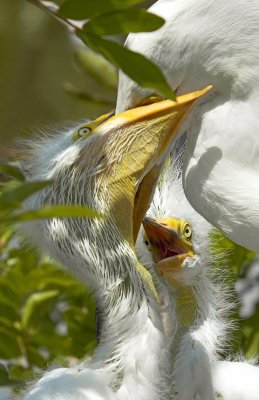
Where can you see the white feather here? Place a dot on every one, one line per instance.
(94, 251)
(197, 372)
(208, 42)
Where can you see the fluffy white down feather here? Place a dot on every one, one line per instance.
(236, 380)
(95, 252)
(72, 384)
(208, 42)
(197, 372)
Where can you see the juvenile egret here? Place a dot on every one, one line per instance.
(177, 240)
(111, 166)
(208, 42)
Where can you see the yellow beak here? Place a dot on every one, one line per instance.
(168, 245)
(136, 143)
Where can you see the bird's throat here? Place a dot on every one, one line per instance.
(186, 306)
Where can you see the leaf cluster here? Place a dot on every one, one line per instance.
(46, 316)
(235, 262)
(102, 19)
(17, 190)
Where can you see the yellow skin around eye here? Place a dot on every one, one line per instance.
(90, 127)
(181, 227)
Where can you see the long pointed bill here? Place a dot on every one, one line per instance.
(137, 142)
(169, 248)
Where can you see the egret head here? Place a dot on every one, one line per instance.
(174, 237)
(110, 165)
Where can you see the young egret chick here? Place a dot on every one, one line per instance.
(110, 166)
(176, 240)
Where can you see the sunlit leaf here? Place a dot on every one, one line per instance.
(82, 9)
(13, 197)
(235, 257)
(58, 211)
(135, 65)
(34, 301)
(123, 21)
(12, 171)
(250, 341)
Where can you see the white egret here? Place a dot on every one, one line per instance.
(178, 241)
(111, 166)
(208, 42)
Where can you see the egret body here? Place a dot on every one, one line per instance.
(207, 42)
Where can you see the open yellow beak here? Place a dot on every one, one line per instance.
(137, 142)
(168, 245)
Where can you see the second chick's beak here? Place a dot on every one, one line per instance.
(170, 243)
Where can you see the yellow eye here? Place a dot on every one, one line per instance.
(187, 231)
(88, 129)
(85, 130)
(82, 132)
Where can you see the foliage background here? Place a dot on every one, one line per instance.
(48, 77)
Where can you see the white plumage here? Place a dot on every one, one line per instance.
(196, 330)
(236, 380)
(194, 342)
(207, 42)
(99, 252)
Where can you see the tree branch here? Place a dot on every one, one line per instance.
(51, 9)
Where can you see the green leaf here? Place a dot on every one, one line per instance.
(133, 64)
(9, 344)
(4, 375)
(58, 211)
(98, 67)
(12, 171)
(18, 372)
(35, 358)
(123, 21)
(236, 258)
(34, 301)
(89, 97)
(13, 197)
(82, 9)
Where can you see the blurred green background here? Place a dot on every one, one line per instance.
(49, 77)
(37, 69)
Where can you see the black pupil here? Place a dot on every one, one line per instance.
(146, 242)
(83, 131)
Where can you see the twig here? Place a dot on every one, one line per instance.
(50, 8)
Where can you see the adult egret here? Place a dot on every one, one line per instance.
(177, 240)
(111, 166)
(207, 42)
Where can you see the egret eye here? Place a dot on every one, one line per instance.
(187, 231)
(85, 130)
